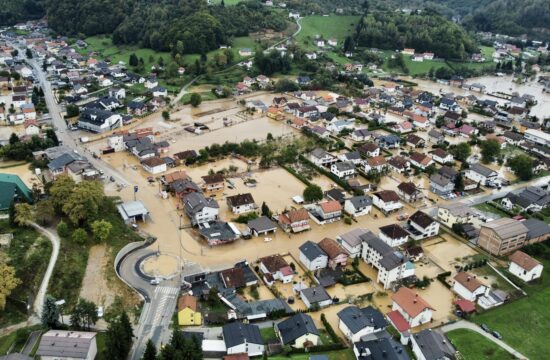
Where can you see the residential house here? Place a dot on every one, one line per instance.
(98, 120)
(32, 127)
(412, 307)
(393, 235)
(188, 311)
(360, 135)
(377, 163)
(399, 164)
(294, 220)
(436, 136)
(457, 213)
(137, 108)
(329, 211)
(154, 165)
(387, 201)
(415, 141)
(343, 170)
(531, 198)
(420, 160)
(315, 297)
(441, 185)
(182, 187)
(241, 203)
(391, 264)
(481, 174)
(381, 348)
(67, 345)
(537, 137)
(357, 322)
(352, 241)
(262, 226)
(449, 104)
(539, 231)
(275, 267)
(337, 256)
(214, 182)
(200, 209)
(429, 344)
(352, 156)
(422, 226)
(298, 331)
(358, 205)
(524, 266)
(389, 141)
(242, 338)
(441, 156)
(409, 192)
(312, 256)
(513, 138)
(468, 286)
(369, 150)
(502, 236)
(321, 157)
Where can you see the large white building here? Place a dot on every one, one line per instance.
(480, 174)
(537, 137)
(67, 345)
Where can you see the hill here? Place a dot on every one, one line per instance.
(14, 11)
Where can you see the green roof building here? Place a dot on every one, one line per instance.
(11, 188)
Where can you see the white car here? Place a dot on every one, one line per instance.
(100, 311)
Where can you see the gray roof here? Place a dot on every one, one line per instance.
(319, 153)
(440, 180)
(63, 160)
(315, 294)
(360, 201)
(536, 228)
(357, 319)
(237, 333)
(131, 209)
(353, 237)
(434, 345)
(345, 166)
(390, 258)
(65, 344)
(296, 326)
(506, 228)
(195, 202)
(311, 250)
(263, 223)
(381, 349)
(15, 356)
(482, 170)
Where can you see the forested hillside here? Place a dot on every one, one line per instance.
(14, 11)
(159, 24)
(426, 32)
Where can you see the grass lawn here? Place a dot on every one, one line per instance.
(100, 339)
(490, 209)
(524, 323)
(346, 354)
(227, 2)
(268, 334)
(16, 339)
(473, 65)
(29, 253)
(487, 52)
(205, 96)
(473, 346)
(329, 27)
(420, 68)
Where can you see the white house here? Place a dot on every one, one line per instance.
(298, 331)
(537, 137)
(412, 307)
(393, 235)
(343, 170)
(315, 296)
(160, 91)
(431, 345)
(154, 165)
(312, 256)
(422, 226)
(524, 266)
(200, 209)
(387, 201)
(480, 174)
(321, 158)
(356, 323)
(275, 267)
(32, 127)
(358, 206)
(468, 287)
(441, 156)
(241, 203)
(352, 241)
(243, 339)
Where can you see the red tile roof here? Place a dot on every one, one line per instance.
(523, 260)
(398, 321)
(412, 303)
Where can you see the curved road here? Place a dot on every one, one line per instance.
(54, 239)
(463, 324)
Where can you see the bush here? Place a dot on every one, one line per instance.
(63, 229)
(335, 338)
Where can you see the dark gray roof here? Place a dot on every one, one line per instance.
(536, 228)
(376, 243)
(64, 160)
(434, 345)
(353, 237)
(237, 333)
(263, 223)
(357, 319)
(482, 170)
(392, 260)
(315, 294)
(195, 202)
(296, 326)
(440, 180)
(311, 250)
(381, 349)
(360, 201)
(65, 344)
(345, 166)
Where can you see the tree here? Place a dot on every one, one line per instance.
(265, 210)
(313, 193)
(490, 150)
(101, 229)
(45, 212)
(83, 202)
(62, 229)
(166, 115)
(23, 214)
(133, 61)
(79, 236)
(459, 182)
(522, 166)
(14, 139)
(84, 315)
(8, 282)
(50, 312)
(195, 99)
(461, 152)
(119, 338)
(150, 350)
(72, 110)
(28, 53)
(60, 190)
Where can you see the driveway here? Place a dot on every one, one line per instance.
(463, 324)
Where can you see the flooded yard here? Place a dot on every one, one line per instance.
(446, 251)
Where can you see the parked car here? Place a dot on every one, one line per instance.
(497, 334)
(100, 311)
(485, 327)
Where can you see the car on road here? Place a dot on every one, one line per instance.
(155, 281)
(497, 335)
(485, 328)
(100, 311)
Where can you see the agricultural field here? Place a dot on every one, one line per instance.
(421, 68)
(473, 346)
(328, 27)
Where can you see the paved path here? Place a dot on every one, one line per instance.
(54, 239)
(463, 324)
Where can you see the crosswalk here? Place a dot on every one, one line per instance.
(166, 290)
(165, 298)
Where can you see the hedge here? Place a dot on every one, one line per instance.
(296, 175)
(335, 338)
(442, 277)
(328, 174)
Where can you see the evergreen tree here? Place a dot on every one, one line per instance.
(150, 351)
(50, 312)
(133, 60)
(265, 210)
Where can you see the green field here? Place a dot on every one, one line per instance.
(524, 323)
(490, 209)
(236, 44)
(473, 346)
(328, 27)
(420, 68)
(346, 354)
